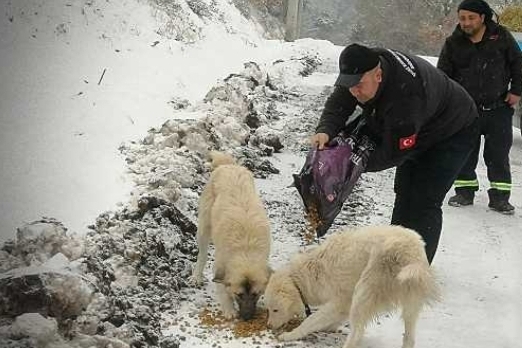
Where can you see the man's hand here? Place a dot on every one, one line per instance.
(512, 99)
(320, 140)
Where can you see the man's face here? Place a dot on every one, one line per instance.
(366, 89)
(470, 22)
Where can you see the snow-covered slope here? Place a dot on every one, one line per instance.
(80, 77)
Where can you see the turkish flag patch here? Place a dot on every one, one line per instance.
(407, 142)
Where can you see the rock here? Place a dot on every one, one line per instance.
(84, 341)
(172, 141)
(88, 322)
(260, 169)
(58, 261)
(169, 342)
(18, 342)
(73, 248)
(253, 120)
(195, 142)
(269, 137)
(169, 211)
(179, 103)
(34, 325)
(46, 291)
(8, 261)
(38, 241)
(149, 139)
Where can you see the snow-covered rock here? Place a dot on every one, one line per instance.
(34, 325)
(48, 291)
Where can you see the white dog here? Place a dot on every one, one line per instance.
(355, 276)
(232, 216)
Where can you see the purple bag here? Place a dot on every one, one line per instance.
(328, 177)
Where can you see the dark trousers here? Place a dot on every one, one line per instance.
(497, 128)
(422, 183)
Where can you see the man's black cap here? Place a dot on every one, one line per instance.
(354, 61)
(478, 6)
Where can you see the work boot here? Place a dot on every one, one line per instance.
(499, 201)
(503, 207)
(461, 199)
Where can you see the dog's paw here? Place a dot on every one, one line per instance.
(289, 336)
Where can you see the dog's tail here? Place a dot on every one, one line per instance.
(420, 281)
(220, 158)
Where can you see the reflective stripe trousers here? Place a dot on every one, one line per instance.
(497, 128)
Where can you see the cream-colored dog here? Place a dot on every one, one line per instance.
(355, 276)
(232, 216)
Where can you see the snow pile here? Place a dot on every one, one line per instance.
(245, 114)
(139, 259)
(36, 242)
(171, 160)
(132, 267)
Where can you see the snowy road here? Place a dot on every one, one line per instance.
(478, 264)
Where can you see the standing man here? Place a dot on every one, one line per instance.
(485, 59)
(420, 120)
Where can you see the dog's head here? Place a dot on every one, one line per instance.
(282, 300)
(245, 283)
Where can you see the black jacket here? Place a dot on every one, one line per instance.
(486, 68)
(416, 106)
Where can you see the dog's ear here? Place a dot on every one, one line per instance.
(219, 276)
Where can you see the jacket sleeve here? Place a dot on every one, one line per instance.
(400, 136)
(444, 63)
(338, 107)
(514, 60)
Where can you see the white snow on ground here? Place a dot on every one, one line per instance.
(61, 130)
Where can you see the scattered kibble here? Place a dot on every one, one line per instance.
(253, 327)
(313, 222)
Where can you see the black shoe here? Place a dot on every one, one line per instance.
(460, 200)
(502, 207)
